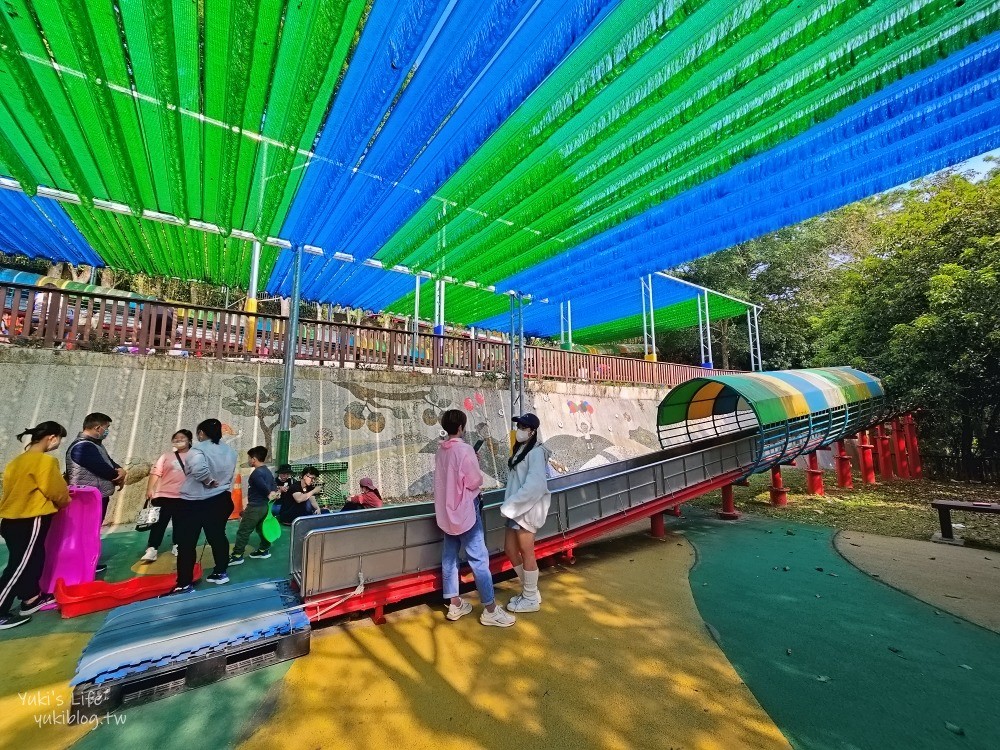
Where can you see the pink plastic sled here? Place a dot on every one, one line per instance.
(73, 543)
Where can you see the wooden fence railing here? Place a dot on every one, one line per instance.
(53, 317)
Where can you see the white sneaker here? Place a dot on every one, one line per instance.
(521, 603)
(499, 618)
(174, 550)
(461, 610)
(150, 555)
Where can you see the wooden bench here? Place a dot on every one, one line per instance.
(944, 509)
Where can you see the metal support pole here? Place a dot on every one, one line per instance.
(779, 494)
(562, 323)
(522, 401)
(866, 462)
(708, 334)
(728, 512)
(884, 454)
(912, 447)
(899, 450)
(756, 333)
(652, 319)
(291, 341)
(844, 478)
(250, 337)
(569, 321)
(510, 362)
(657, 526)
(814, 476)
(753, 353)
(701, 331)
(416, 320)
(645, 326)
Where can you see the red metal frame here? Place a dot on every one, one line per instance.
(843, 461)
(884, 454)
(912, 447)
(899, 450)
(378, 594)
(814, 476)
(779, 494)
(728, 511)
(865, 459)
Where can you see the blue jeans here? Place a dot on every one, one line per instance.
(473, 542)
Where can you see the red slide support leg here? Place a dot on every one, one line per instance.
(866, 459)
(912, 449)
(814, 476)
(844, 478)
(728, 512)
(657, 527)
(779, 495)
(884, 454)
(899, 450)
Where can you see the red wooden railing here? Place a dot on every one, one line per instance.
(71, 319)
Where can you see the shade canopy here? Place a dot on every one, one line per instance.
(561, 149)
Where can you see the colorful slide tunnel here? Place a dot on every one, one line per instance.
(790, 413)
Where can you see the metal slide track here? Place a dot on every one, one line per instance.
(155, 648)
(364, 560)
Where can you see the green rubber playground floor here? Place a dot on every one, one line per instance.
(838, 659)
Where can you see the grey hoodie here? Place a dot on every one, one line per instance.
(205, 462)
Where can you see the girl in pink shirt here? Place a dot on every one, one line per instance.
(457, 506)
(164, 489)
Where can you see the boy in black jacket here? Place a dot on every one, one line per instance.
(261, 489)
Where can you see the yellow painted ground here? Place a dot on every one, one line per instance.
(35, 694)
(618, 658)
(167, 563)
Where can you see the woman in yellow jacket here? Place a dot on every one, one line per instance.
(33, 490)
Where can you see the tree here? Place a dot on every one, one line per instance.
(264, 404)
(921, 311)
(790, 273)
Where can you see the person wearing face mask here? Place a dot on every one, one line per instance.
(164, 490)
(525, 506)
(206, 504)
(89, 465)
(33, 490)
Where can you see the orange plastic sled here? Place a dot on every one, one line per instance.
(95, 596)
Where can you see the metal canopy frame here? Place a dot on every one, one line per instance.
(705, 322)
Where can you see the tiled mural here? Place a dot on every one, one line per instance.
(382, 424)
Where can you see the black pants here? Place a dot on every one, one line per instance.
(25, 538)
(168, 508)
(191, 518)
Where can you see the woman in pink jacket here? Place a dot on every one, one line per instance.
(457, 505)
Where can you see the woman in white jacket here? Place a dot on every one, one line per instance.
(525, 506)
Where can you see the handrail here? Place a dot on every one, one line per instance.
(86, 320)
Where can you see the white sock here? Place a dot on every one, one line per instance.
(519, 569)
(530, 578)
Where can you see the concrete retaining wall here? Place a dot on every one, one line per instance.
(383, 424)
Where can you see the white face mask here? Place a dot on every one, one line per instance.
(522, 435)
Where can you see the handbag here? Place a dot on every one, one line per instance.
(148, 517)
(150, 514)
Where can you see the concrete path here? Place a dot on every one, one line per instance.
(960, 580)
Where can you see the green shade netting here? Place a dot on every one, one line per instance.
(669, 318)
(658, 100)
(199, 109)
